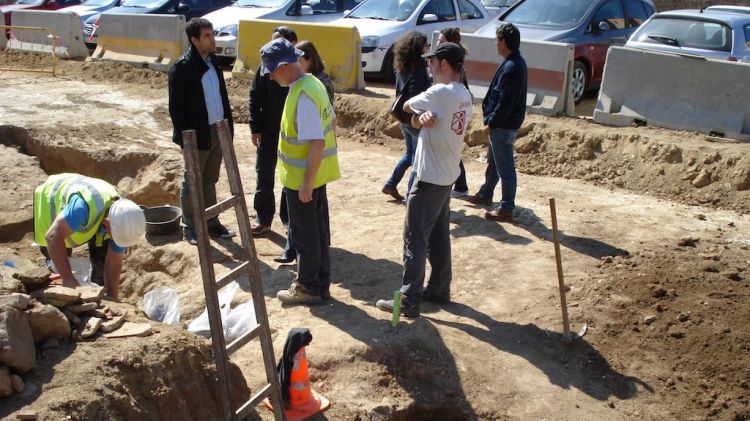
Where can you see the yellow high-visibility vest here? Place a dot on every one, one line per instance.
(293, 152)
(54, 194)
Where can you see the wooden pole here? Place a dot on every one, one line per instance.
(560, 281)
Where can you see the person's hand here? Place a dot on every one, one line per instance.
(70, 281)
(427, 119)
(255, 137)
(305, 194)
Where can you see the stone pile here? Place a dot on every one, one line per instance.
(34, 314)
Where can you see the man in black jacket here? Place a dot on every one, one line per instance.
(266, 102)
(197, 101)
(503, 110)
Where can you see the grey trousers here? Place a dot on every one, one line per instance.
(426, 237)
(210, 164)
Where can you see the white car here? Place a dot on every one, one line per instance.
(381, 22)
(226, 21)
(90, 8)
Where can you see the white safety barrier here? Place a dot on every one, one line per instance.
(549, 67)
(153, 40)
(676, 92)
(65, 27)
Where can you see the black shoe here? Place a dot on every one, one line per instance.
(428, 296)
(387, 306)
(284, 259)
(220, 231)
(189, 236)
(479, 200)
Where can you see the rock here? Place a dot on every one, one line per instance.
(47, 322)
(17, 383)
(649, 319)
(700, 217)
(112, 325)
(9, 284)
(683, 317)
(80, 308)
(6, 384)
(98, 312)
(702, 179)
(92, 326)
(26, 414)
(16, 300)
(658, 292)
(131, 329)
(734, 276)
(91, 294)
(34, 277)
(72, 317)
(676, 333)
(687, 242)
(57, 295)
(51, 343)
(16, 341)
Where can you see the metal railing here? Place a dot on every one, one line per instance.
(28, 49)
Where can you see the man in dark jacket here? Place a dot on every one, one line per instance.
(197, 101)
(266, 102)
(503, 109)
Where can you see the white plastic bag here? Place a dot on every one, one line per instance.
(163, 305)
(201, 324)
(239, 321)
(81, 268)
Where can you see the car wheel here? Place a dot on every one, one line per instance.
(389, 76)
(579, 81)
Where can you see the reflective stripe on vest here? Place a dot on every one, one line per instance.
(293, 153)
(51, 198)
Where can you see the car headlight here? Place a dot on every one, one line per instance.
(369, 43)
(229, 30)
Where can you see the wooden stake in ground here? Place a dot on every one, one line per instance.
(567, 337)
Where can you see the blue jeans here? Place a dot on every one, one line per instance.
(410, 139)
(502, 167)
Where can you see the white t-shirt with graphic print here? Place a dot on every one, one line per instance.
(438, 152)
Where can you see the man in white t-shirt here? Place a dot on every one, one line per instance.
(442, 112)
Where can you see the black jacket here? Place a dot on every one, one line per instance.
(266, 103)
(504, 106)
(187, 104)
(412, 84)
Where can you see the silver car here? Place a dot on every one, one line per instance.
(711, 33)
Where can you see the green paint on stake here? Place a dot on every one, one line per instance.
(396, 307)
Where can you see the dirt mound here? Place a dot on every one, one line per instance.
(112, 71)
(169, 375)
(680, 310)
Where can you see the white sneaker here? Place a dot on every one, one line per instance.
(456, 193)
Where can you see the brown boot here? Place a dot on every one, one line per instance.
(393, 192)
(499, 215)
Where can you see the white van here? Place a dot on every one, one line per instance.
(226, 21)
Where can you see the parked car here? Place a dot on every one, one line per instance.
(710, 33)
(496, 7)
(90, 7)
(381, 22)
(35, 5)
(226, 20)
(188, 8)
(735, 9)
(592, 26)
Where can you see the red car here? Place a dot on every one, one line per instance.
(35, 5)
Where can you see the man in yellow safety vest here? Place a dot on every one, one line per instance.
(307, 161)
(72, 209)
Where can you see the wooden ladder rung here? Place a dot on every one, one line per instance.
(252, 402)
(242, 340)
(233, 275)
(220, 207)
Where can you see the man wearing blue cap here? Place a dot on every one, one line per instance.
(307, 162)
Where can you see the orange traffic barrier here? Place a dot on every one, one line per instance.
(304, 402)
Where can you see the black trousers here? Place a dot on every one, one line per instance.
(264, 201)
(310, 232)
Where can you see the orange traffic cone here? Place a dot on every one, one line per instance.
(304, 402)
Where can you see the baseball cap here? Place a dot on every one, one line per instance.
(127, 223)
(278, 52)
(449, 51)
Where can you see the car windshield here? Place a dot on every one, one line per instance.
(149, 4)
(385, 9)
(34, 2)
(498, 3)
(552, 13)
(261, 3)
(95, 3)
(687, 33)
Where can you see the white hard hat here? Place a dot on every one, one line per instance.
(127, 223)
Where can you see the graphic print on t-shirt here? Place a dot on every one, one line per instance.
(459, 122)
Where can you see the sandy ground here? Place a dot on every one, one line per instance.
(496, 351)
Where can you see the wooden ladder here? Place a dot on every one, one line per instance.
(249, 267)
